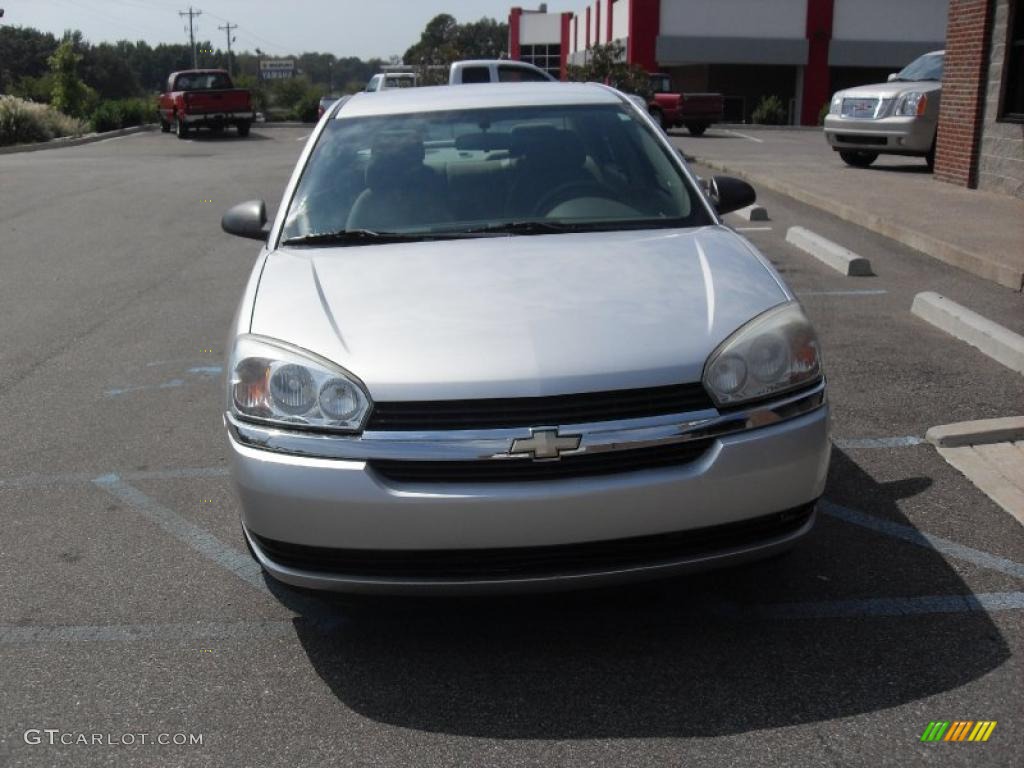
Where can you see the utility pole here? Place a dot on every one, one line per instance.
(191, 33)
(228, 26)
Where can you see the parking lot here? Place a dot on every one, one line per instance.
(132, 607)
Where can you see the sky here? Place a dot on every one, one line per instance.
(364, 28)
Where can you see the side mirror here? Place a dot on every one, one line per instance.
(730, 194)
(246, 219)
(892, 76)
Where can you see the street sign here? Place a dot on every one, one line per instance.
(277, 69)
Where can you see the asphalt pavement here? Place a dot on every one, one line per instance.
(130, 607)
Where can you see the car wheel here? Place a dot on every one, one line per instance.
(243, 129)
(930, 158)
(182, 128)
(165, 127)
(696, 129)
(858, 159)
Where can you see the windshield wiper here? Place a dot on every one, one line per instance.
(358, 237)
(520, 228)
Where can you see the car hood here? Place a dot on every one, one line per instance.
(890, 90)
(517, 316)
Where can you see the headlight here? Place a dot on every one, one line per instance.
(775, 352)
(912, 104)
(276, 383)
(837, 104)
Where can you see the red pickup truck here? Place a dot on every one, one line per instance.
(204, 97)
(694, 110)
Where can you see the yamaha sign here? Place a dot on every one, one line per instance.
(277, 69)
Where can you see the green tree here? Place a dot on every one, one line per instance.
(607, 64)
(69, 95)
(437, 44)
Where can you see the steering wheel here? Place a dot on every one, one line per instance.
(568, 191)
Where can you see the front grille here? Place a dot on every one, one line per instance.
(852, 138)
(525, 470)
(556, 410)
(521, 562)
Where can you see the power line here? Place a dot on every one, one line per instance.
(228, 26)
(191, 33)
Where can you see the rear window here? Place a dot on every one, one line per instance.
(203, 82)
(593, 167)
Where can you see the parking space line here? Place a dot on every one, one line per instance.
(752, 229)
(199, 539)
(927, 540)
(742, 135)
(876, 442)
(883, 606)
(303, 138)
(199, 630)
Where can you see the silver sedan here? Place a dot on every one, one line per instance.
(498, 338)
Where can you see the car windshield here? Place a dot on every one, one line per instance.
(478, 172)
(927, 67)
(208, 81)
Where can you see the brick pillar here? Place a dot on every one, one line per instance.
(963, 92)
(816, 75)
(644, 24)
(515, 18)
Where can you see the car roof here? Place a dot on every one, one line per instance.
(442, 98)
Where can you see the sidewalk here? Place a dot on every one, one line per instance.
(980, 232)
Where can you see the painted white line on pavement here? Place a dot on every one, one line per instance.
(199, 630)
(199, 539)
(876, 442)
(882, 606)
(742, 135)
(914, 536)
(303, 138)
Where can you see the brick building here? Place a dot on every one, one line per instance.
(981, 121)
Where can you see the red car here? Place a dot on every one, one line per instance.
(694, 110)
(204, 98)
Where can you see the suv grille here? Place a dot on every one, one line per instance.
(562, 559)
(557, 410)
(519, 470)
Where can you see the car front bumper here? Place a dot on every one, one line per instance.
(888, 135)
(748, 495)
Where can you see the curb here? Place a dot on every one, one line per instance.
(1006, 430)
(931, 246)
(753, 213)
(77, 141)
(841, 259)
(1001, 344)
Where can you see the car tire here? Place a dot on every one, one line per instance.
(182, 129)
(696, 129)
(165, 127)
(243, 129)
(858, 159)
(930, 158)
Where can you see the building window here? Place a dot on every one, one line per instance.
(1012, 107)
(547, 57)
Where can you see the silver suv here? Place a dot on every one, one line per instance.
(894, 118)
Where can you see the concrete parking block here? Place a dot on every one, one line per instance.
(1001, 344)
(753, 213)
(824, 250)
(981, 432)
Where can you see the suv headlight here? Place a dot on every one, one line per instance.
(912, 104)
(276, 383)
(775, 352)
(837, 104)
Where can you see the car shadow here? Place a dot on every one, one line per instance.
(227, 135)
(663, 659)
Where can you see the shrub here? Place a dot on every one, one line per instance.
(23, 122)
(769, 111)
(307, 108)
(123, 113)
(823, 113)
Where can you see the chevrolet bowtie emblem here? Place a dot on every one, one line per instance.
(545, 444)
